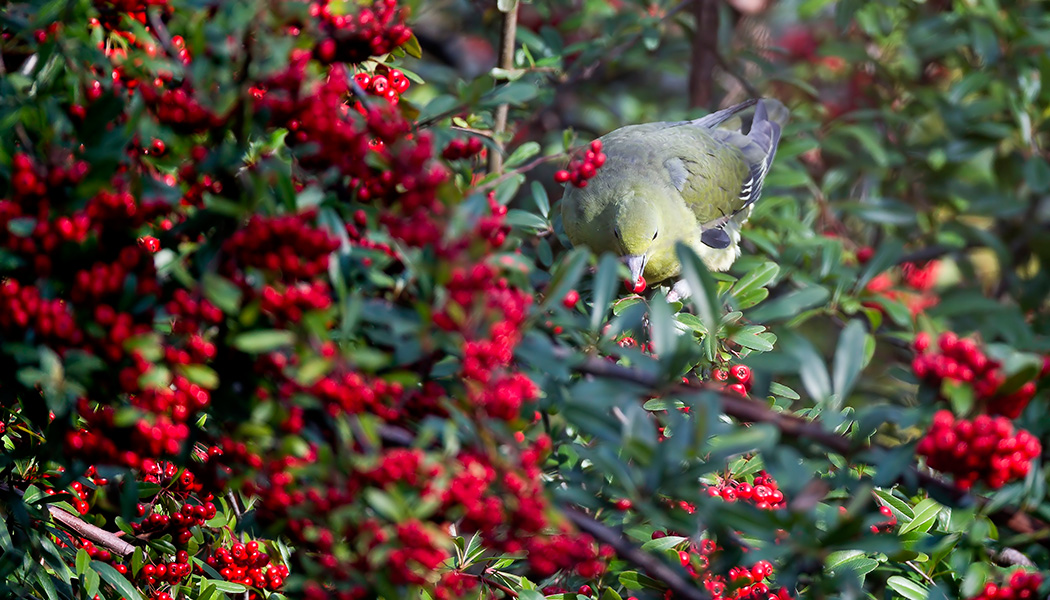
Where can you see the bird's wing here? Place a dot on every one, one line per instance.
(720, 172)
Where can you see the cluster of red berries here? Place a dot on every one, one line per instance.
(80, 496)
(962, 360)
(985, 449)
(763, 491)
(289, 305)
(165, 572)
(244, 563)
(580, 170)
(179, 108)
(22, 308)
(286, 244)
(886, 525)
(739, 583)
(374, 31)
(1023, 585)
(458, 149)
(735, 379)
(388, 84)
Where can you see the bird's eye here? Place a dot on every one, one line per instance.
(655, 233)
(616, 232)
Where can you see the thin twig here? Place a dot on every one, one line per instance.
(506, 62)
(751, 89)
(494, 584)
(922, 573)
(931, 252)
(233, 504)
(522, 169)
(627, 551)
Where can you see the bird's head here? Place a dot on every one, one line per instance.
(637, 229)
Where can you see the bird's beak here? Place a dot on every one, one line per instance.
(636, 263)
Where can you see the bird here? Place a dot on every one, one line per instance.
(662, 183)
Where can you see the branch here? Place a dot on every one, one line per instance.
(704, 56)
(86, 530)
(746, 409)
(656, 568)
(110, 541)
(1009, 557)
(931, 252)
(506, 62)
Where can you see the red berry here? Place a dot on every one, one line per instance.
(379, 85)
(562, 176)
(570, 299)
(741, 373)
(636, 287)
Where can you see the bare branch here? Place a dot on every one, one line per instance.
(506, 62)
(652, 565)
(86, 530)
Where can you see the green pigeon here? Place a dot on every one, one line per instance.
(688, 181)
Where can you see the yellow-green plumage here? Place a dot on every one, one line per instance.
(668, 182)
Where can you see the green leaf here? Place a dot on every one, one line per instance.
(228, 587)
(908, 588)
(202, 375)
(1037, 173)
(522, 153)
(539, 196)
(703, 298)
(566, 276)
(412, 47)
(925, 515)
(665, 543)
(849, 358)
(779, 389)
(751, 338)
(263, 340)
(811, 365)
(606, 280)
(524, 219)
(898, 506)
(756, 278)
(115, 579)
(82, 562)
(869, 140)
(384, 504)
(633, 580)
(514, 92)
(661, 326)
(222, 292)
(790, 304)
